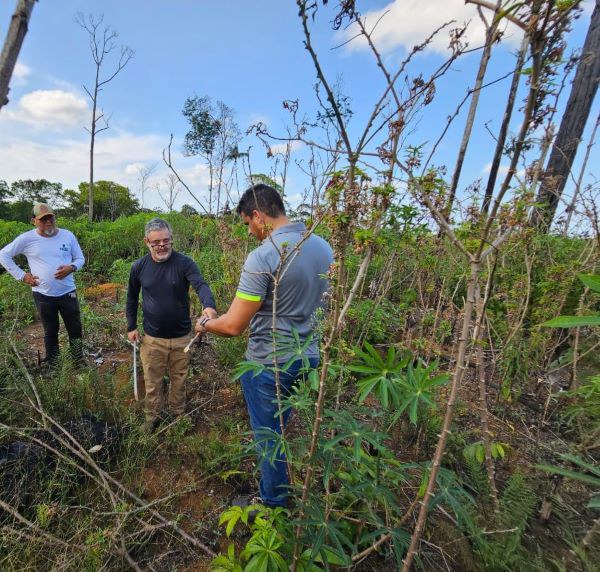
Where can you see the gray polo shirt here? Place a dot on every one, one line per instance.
(300, 291)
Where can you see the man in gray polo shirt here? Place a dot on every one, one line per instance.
(287, 272)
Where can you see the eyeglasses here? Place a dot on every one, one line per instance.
(157, 243)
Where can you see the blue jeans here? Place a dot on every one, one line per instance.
(260, 394)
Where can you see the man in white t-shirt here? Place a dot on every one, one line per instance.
(53, 254)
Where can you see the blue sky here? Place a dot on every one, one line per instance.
(247, 54)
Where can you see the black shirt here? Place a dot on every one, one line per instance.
(165, 295)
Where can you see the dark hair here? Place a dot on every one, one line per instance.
(262, 198)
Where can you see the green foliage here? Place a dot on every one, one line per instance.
(226, 562)
(592, 281)
(380, 376)
(573, 321)
(119, 271)
(271, 543)
(17, 202)
(476, 451)
(378, 320)
(16, 302)
(418, 389)
(111, 200)
(396, 381)
(266, 546)
(502, 550)
(231, 350)
(9, 230)
(584, 406)
(204, 128)
(478, 479)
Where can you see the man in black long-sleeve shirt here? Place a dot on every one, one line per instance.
(164, 277)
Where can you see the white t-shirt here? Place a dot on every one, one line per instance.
(44, 255)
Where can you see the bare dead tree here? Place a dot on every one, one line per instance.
(172, 191)
(12, 45)
(144, 173)
(572, 125)
(102, 41)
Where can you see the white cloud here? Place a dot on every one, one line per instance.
(256, 118)
(133, 168)
(196, 176)
(282, 147)
(588, 7)
(50, 109)
(406, 23)
(20, 74)
(502, 169)
(67, 160)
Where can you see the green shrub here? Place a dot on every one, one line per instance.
(378, 320)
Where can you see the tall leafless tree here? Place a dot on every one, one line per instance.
(172, 191)
(572, 125)
(102, 43)
(144, 173)
(12, 45)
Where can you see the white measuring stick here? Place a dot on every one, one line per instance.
(187, 348)
(135, 383)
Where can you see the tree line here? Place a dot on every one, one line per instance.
(111, 200)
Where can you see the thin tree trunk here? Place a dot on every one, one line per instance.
(483, 408)
(441, 445)
(577, 190)
(92, 144)
(483, 63)
(571, 128)
(91, 184)
(508, 111)
(12, 45)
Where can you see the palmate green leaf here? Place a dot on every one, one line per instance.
(231, 516)
(391, 357)
(226, 563)
(413, 410)
(365, 387)
(573, 321)
(425, 399)
(592, 281)
(246, 366)
(333, 557)
(401, 409)
(364, 369)
(438, 380)
(374, 354)
(314, 379)
(305, 563)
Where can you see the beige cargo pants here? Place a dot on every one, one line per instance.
(160, 357)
